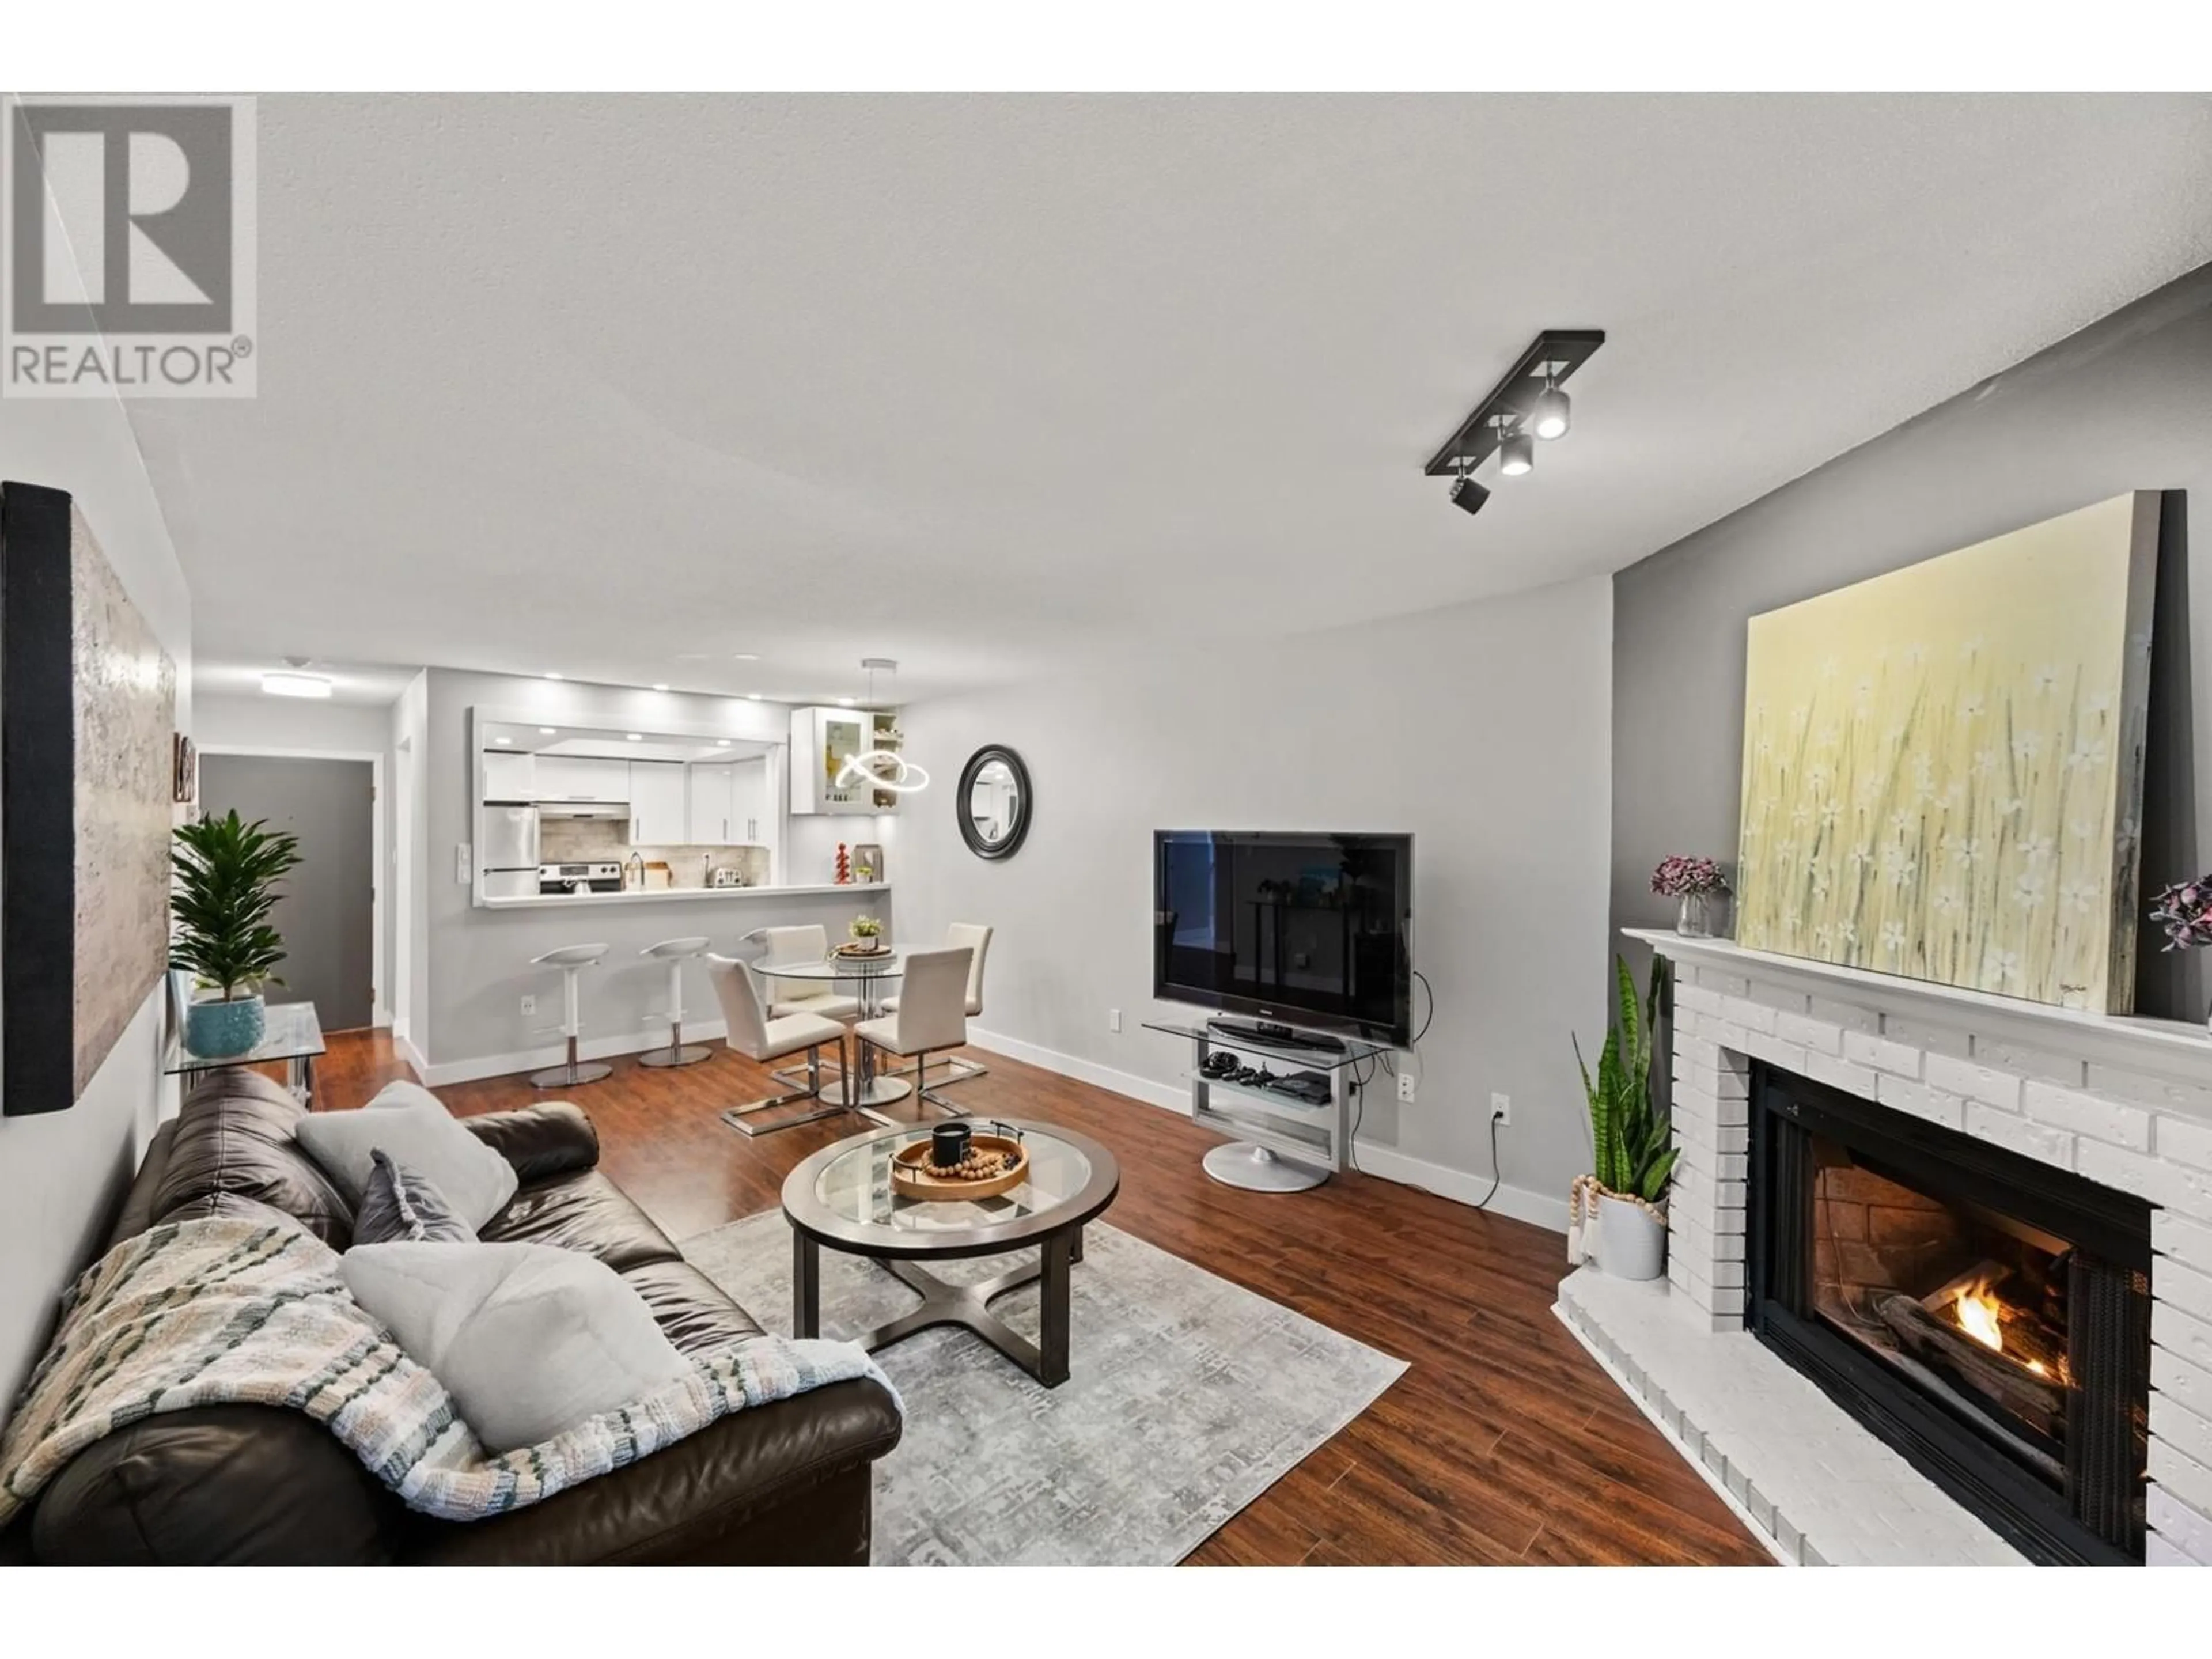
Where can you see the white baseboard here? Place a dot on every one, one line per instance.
(1174, 1097)
(535, 1059)
(1461, 1187)
(1386, 1162)
(408, 1052)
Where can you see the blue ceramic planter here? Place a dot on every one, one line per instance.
(216, 1031)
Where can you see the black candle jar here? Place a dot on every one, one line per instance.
(948, 1145)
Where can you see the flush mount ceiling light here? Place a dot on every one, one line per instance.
(290, 683)
(1527, 403)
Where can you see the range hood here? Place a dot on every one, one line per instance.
(583, 809)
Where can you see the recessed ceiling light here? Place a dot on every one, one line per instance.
(660, 685)
(744, 656)
(721, 743)
(502, 741)
(552, 677)
(634, 737)
(547, 731)
(289, 684)
(755, 695)
(846, 702)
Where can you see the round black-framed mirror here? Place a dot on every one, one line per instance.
(993, 802)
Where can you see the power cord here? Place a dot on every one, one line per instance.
(1381, 1060)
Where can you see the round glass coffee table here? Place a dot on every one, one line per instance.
(841, 1199)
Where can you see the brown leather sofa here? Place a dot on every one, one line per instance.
(784, 1484)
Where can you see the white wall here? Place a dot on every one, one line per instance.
(1483, 730)
(62, 1175)
(291, 726)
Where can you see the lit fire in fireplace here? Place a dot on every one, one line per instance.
(1981, 1317)
(1977, 1311)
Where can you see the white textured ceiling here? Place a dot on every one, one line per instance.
(619, 386)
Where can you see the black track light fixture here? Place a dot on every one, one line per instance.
(1526, 405)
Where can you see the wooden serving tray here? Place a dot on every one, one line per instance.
(911, 1178)
(858, 950)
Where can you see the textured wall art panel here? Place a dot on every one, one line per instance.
(1942, 766)
(124, 706)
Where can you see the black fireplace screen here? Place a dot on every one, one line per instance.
(1987, 1314)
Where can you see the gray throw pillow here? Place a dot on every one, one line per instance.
(398, 1205)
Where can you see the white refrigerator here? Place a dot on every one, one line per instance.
(509, 854)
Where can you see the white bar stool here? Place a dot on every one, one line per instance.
(571, 960)
(675, 952)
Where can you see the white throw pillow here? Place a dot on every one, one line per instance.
(412, 1127)
(528, 1339)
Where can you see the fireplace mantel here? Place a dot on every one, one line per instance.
(2170, 1048)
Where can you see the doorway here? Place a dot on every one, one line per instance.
(327, 915)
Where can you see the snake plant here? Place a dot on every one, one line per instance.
(1630, 1136)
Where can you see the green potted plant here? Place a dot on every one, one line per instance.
(226, 875)
(867, 933)
(1633, 1156)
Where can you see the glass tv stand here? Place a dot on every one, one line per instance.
(1284, 1144)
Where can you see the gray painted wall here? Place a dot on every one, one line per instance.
(475, 964)
(2124, 404)
(62, 1175)
(1481, 729)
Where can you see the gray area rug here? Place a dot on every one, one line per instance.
(1190, 1396)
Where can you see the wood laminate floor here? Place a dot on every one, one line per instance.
(1502, 1444)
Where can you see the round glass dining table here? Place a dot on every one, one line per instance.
(868, 976)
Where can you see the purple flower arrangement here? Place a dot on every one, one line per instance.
(1678, 877)
(2185, 911)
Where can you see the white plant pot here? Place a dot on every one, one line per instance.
(1632, 1241)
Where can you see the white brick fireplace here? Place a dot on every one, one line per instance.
(2125, 1103)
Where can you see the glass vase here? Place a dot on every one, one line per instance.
(1694, 919)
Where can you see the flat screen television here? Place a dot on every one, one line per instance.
(1295, 929)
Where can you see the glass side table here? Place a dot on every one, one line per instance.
(1287, 1142)
(293, 1034)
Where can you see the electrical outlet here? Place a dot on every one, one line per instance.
(1112, 1019)
(1501, 1109)
(1408, 1084)
(529, 1007)
(461, 870)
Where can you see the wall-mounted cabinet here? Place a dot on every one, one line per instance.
(575, 777)
(657, 806)
(509, 778)
(730, 804)
(822, 741)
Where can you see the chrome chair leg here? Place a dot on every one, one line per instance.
(735, 1116)
(923, 1091)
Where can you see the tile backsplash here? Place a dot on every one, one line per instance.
(575, 841)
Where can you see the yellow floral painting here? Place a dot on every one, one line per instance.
(1942, 766)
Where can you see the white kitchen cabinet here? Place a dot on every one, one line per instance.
(712, 806)
(576, 777)
(749, 802)
(509, 777)
(822, 741)
(657, 812)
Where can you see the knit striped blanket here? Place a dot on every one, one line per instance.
(227, 1312)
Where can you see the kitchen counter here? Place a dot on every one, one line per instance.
(668, 894)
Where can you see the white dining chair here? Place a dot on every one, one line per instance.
(749, 1032)
(976, 938)
(801, 996)
(931, 1016)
